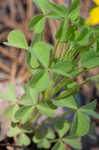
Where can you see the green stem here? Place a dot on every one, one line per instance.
(66, 50)
(36, 117)
(54, 52)
(89, 79)
(54, 140)
(66, 81)
(74, 90)
(52, 119)
(61, 51)
(33, 118)
(42, 36)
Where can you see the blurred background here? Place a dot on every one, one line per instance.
(16, 14)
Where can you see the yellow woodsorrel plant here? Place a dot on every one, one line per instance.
(53, 83)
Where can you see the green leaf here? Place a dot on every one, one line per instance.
(9, 94)
(73, 51)
(90, 112)
(44, 143)
(54, 15)
(27, 129)
(51, 105)
(10, 111)
(74, 5)
(62, 68)
(32, 61)
(81, 21)
(74, 143)
(40, 81)
(13, 131)
(23, 140)
(42, 4)
(16, 38)
(83, 33)
(88, 38)
(59, 10)
(59, 146)
(70, 33)
(90, 59)
(33, 95)
(74, 126)
(45, 109)
(62, 127)
(81, 124)
(24, 113)
(39, 135)
(47, 133)
(72, 85)
(67, 93)
(41, 51)
(61, 33)
(30, 98)
(37, 37)
(37, 23)
(74, 15)
(69, 102)
(50, 134)
(25, 100)
(90, 106)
